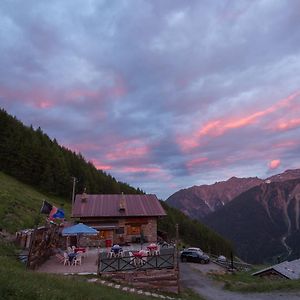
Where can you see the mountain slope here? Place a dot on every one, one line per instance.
(263, 222)
(199, 201)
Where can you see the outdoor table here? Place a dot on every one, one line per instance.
(138, 257)
(152, 248)
(138, 254)
(79, 249)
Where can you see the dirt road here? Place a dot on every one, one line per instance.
(195, 276)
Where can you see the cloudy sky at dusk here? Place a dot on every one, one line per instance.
(162, 95)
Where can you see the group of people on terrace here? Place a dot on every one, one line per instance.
(74, 255)
(137, 257)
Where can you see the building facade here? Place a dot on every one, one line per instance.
(120, 219)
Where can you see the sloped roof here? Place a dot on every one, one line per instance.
(111, 206)
(289, 269)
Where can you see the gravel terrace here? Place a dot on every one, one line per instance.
(89, 264)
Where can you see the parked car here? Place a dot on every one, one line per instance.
(194, 249)
(194, 256)
(221, 259)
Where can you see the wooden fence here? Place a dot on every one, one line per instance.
(165, 260)
(228, 264)
(43, 240)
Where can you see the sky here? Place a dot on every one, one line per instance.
(162, 95)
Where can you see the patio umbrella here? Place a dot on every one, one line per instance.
(79, 229)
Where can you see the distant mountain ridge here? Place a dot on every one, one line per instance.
(263, 222)
(200, 201)
(260, 216)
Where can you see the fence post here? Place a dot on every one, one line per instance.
(32, 241)
(98, 264)
(177, 258)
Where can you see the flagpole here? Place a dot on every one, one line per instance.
(73, 190)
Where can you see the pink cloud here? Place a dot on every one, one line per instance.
(44, 104)
(83, 93)
(141, 169)
(151, 171)
(274, 164)
(194, 163)
(128, 149)
(285, 144)
(102, 167)
(84, 147)
(37, 97)
(219, 127)
(284, 125)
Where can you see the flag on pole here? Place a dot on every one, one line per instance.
(60, 214)
(46, 208)
(52, 211)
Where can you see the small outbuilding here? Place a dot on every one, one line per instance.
(286, 269)
(119, 218)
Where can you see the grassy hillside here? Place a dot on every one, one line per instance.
(20, 204)
(17, 283)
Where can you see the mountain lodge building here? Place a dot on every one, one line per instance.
(119, 218)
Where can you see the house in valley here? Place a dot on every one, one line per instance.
(119, 218)
(286, 269)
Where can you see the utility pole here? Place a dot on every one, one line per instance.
(177, 256)
(177, 239)
(73, 191)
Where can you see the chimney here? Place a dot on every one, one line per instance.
(84, 196)
(122, 204)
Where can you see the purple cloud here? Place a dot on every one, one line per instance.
(161, 94)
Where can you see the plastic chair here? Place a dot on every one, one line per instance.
(132, 259)
(110, 254)
(77, 259)
(66, 259)
(157, 251)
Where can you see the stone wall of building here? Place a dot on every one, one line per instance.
(150, 230)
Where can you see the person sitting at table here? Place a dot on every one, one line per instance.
(70, 250)
(116, 249)
(71, 255)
